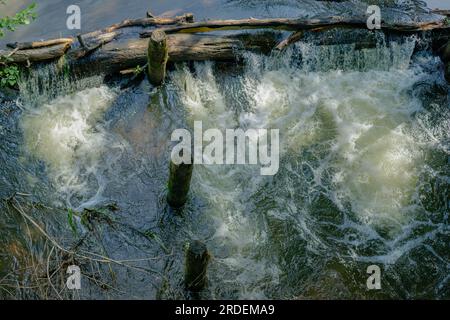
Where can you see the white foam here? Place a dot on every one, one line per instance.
(67, 134)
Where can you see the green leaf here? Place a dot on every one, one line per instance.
(23, 17)
(73, 226)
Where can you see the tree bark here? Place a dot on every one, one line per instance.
(39, 44)
(144, 22)
(297, 24)
(158, 55)
(179, 184)
(114, 57)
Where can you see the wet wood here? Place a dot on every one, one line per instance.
(294, 37)
(447, 72)
(179, 184)
(89, 45)
(158, 55)
(111, 50)
(441, 12)
(36, 55)
(94, 40)
(196, 266)
(144, 22)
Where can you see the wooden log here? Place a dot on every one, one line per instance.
(294, 37)
(179, 184)
(130, 53)
(447, 72)
(36, 55)
(196, 266)
(144, 22)
(157, 55)
(299, 24)
(441, 12)
(38, 44)
(116, 56)
(89, 45)
(362, 39)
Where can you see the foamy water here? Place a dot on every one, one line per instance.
(353, 113)
(355, 152)
(68, 133)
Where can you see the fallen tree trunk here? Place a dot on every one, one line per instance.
(298, 24)
(294, 37)
(36, 55)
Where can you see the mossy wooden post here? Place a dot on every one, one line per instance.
(179, 183)
(157, 55)
(197, 260)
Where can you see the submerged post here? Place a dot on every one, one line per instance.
(197, 259)
(179, 183)
(157, 56)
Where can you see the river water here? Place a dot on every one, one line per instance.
(363, 179)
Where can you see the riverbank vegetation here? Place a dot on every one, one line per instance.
(10, 71)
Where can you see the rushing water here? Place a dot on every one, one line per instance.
(363, 179)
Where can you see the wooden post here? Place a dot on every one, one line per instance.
(157, 55)
(197, 259)
(447, 71)
(189, 17)
(179, 184)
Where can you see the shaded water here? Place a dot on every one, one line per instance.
(363, 175)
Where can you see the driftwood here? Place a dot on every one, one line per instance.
(113, 49)
(297, 24)
(196, 266)
(89, 42)
(157, 56)
(145, 22)
(93, 40)
(38, 54)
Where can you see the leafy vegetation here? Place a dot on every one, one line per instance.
(10, 72)
(447, 21)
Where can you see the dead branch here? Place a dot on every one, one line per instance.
(39, 44)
